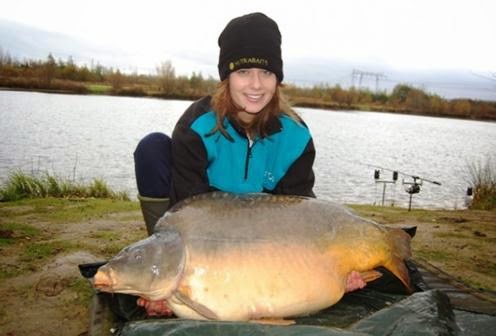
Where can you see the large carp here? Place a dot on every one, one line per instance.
(246, 257)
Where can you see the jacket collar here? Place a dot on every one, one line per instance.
(273, 126)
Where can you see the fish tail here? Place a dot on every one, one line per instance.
(400, 251)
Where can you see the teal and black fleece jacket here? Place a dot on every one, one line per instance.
(202, 161)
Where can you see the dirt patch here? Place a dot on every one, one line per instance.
(41, 288)
(42, 302)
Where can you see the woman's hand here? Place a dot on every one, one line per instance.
(354, 282)
(155, 308)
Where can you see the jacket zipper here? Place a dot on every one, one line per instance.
(248, 156)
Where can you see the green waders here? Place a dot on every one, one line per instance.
(152, 209)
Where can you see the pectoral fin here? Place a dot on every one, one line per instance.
(369, 276)
(200, 309)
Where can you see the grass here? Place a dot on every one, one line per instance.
(392, 214)
(99, 88)
(42, 240)
(9, 232)
(28, 230)
(10, 271)
(111, 249)
(434, 255)
(483, 179)
(20, 185)
(453, 235)
(63, 210)
(40, 251)
(106, 234)
(21, 229)
(83, 290)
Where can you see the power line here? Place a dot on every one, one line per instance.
(491, 76)
(361, 74)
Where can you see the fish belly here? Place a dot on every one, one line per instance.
(259, 281)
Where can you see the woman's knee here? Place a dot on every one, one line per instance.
(152, 145)
(152, 163)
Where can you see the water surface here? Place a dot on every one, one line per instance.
(84, 137)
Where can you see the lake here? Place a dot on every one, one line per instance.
(86, 137)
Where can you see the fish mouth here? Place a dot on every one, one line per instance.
(103, 281)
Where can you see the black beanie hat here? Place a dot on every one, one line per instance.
(250, 41)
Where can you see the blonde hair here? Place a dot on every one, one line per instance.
(224, 106)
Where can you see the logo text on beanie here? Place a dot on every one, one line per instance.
(248, 60)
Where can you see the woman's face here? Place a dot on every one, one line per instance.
(252, 89)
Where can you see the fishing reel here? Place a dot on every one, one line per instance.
(413, 187)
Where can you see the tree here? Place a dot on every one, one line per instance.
(338, 94)
(69, 70)
(48, 70)
(166, 77)
(5, 58)
(196, 81)
(7, 66)
(417, 101)
(400, 92)
(97, 71)
(461, 107)
(116, 79)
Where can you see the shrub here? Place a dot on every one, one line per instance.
(483, 176)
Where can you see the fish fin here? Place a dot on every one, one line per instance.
(401, 251)
(371, 275)
(397, 267)
(197, 307)
(274, 321)
(411, 230)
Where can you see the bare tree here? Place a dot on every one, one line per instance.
(166, 77)
(48, 70)
(5, 58)
(117, 79)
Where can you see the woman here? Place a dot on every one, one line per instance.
(245, 138)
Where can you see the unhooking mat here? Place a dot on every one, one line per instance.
(380, 309)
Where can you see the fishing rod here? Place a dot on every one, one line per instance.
(416, 177)
(412, 188)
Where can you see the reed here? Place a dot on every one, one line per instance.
(483, 180)
(21, 185)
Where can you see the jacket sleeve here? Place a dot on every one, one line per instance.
(299, 179)
(189, 158)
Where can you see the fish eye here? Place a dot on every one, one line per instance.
(138, 255)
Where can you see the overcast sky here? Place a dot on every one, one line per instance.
(417, 34)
